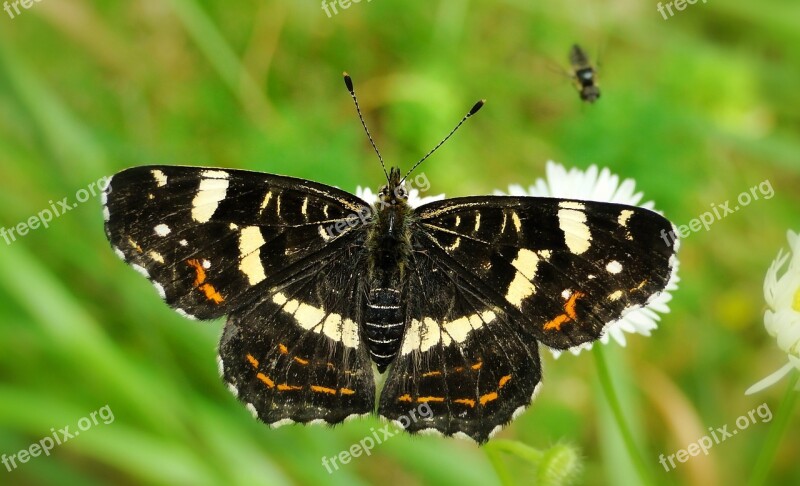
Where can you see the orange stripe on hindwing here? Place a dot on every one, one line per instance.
(200, 282)
(568, 315)
(470, 402)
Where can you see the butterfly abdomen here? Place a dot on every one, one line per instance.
(384, 324)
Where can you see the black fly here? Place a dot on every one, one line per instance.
(584, 74)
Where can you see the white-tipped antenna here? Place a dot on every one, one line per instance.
(472, 111)
(349, 83)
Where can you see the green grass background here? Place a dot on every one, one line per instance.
(696, 109)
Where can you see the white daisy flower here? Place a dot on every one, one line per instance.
(782, 319)
(591, 185)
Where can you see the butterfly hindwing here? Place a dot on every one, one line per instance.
(297, 355)
(461, 356)
(564, 269)
(211, 240)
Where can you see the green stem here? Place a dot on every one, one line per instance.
(776, 431)
(619, 416)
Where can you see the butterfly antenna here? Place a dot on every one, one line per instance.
(472, 111)
(348, 81)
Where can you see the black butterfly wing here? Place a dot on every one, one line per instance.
(211, 240)
(511, 271)
(297, 355)
(274, 253)
(462, 355)
(564, 268)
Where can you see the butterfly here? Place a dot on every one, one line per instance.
(324, 291)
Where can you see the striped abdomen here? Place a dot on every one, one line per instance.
(384, 319)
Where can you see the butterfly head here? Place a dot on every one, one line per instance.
(394, 192)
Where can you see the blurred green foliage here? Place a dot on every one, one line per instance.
(696, 109)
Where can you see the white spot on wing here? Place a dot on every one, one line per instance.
(517, 222)
(281, 423)
(140, 269)
(106, 214)
(526, 263)
(160, 290)
(576, 233)
(162, 230)
(571, 205)
(520, 289)
(614, 266)
(213, 189)
(160, 177)
(624, 215)
(318, 320)
(615, 295)
(250, 408)
(220, 366)
(185, 314)
(250, 241)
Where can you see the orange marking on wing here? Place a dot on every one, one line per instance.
(301, 360)
(569, 313)
(347, 391)
(556, 323)
(430, 399)
(322, 389)
(432, 373)
(488, 398)
(569, 307)
(458, 369)
(477, 365)
(212, 294)
(404, 398)
(285, 387)
(283, 348)
(200, 282)
(504, 380)
(266, 380)
(465, 401)
(252, 360)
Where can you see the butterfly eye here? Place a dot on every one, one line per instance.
(401, 193)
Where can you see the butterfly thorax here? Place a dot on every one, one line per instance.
(388, 247)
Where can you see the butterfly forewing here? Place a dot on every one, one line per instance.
(561, 269)
(211, 240)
